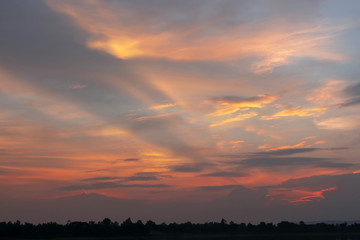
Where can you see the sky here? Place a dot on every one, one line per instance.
(179, 110)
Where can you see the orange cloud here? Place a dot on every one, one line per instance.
(154, 117)
(107, 131)
(264, 146)
(339, 123)
(298, 195)
(310, 137)
(296, 111)
(156, 107)
(287, 146)
(328, 94)
(228, 105)
(236, 143)
(239, 117)
(274, 45)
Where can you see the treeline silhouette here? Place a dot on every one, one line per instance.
(108, 228)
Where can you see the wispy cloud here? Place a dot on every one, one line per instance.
(339, 123)
(354, 95)
(106, 185)
(239, 117)
(224, 174)
(231, 104)
(274, 45)
(162, 106)
(328, 94)
(296, 111)
(218, 188)
(287, 146)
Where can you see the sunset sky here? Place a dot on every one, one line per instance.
(179, 110)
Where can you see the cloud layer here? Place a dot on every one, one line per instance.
(183, 101)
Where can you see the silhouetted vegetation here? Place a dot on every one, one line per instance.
(108, 228)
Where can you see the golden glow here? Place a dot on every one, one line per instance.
(287, 146)
(154, 117)
(225, 107)
(275, 44)
(108, 132)
(298, 195)
(240, 117)
(264, 146)
(296, 111)
(121, 48)
(156, 107)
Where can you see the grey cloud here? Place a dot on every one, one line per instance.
(218, 188)
(102, 185)
(140, 176)
(327, 164)
(336, 148)
(30, 161)
(354, 93)
(281, 152)
(5, 171)
(224, 174)
(236, 99)
(268, 162)
(143, 176)
(298, 150)
(131, 159)
(322, 181)
(288, 151)
(351, 102)
(280, 161)
(186, 168)
(353, 90)
(100, 178)
(98, 170)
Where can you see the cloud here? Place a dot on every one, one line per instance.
(239, 117)
(138, 72)
(77, 85)
(224, 174)
(162, 106)
(107, 185)
(131, 159)
(165, 33)
(285, 152)
(354, 93)
(339, 123)
(218, 188)
(144, 118)
(143, 176)
(288, 151)
(328, 94)
(100, 178)
(331, 190)
(271, 162)
(186, 168)
(298, 195)
(296, 111)
(231, 104)
(287, 146)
